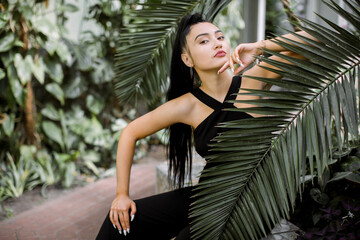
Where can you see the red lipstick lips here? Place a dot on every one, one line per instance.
(220, 53)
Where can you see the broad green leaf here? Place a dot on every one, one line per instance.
(4, 18)
(63, 52)
(7, 42)
(319, 196)
(50, 112)
(103, 71)
(69, 176)
(53, 132)
(26, 9)
(76, 86)
(8, 124)
(2, 73)
(7, 58)
(82, 58)
(38, 69)
(23, 67)
(351, 164)
(354, 178)
(28, 152)
(95, 134)
(46, 27)
(55, 71)
(92, 167)
(339, 176)
(51, 46)
(68, 7)
(95, 105)
(56, 91)
(91, 156)
(15, 86)
(118, 125)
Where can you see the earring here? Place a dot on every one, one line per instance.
(191, 72)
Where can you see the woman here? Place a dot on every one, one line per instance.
(200, 53)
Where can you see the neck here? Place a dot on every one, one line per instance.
(215, 85)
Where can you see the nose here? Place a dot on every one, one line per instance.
(217, 44)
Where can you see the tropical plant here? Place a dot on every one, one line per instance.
(55, 94)
(263, 161)
(143, 60)
(19, 176)
(332, 212)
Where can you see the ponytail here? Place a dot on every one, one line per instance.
(181, 82)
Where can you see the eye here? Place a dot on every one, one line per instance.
(203, 41)
(221, 38)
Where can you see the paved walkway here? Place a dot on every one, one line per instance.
(79, 214)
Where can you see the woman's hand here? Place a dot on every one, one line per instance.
(244, 55)
(120, 211)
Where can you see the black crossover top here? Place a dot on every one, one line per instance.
(207, 130)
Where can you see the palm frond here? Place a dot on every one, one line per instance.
(261, 161)
(142, 61)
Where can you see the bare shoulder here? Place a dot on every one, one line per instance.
(183, 107)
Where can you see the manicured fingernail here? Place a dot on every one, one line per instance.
(218, 72)
(120, 232)
(238, 59)
(114, 226)
(232, 69)
(124, 232)
(241, 65)
(132, 217)
(128, 230)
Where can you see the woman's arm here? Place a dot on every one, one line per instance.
(258, 71)
(167, 114)
(244, 54)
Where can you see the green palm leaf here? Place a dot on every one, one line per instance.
(142, 61)
(262, 161)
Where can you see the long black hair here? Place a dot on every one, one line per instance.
(181, 82)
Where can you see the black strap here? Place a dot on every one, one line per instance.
(215, 104)
(206, 99)
(234, 89)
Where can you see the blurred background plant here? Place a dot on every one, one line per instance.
(331, 210)
(59, 118)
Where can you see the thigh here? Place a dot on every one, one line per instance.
(160, 216)
(184, 234)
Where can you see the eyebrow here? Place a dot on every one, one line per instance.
(202, 34)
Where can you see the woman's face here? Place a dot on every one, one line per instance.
(206, 47)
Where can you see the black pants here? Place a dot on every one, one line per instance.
(162, 217)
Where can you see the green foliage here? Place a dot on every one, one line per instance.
(143, 59)
(56, 96)
(20, 176)
(335, 210)
(263, 160)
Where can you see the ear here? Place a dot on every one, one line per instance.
(185, 57)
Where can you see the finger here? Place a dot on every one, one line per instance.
(237, 50)
(133, 211)
(126, 222)
(116, 220)
(236, 53)
(224, 67)
(231, 63)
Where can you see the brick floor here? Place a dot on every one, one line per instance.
(78, 214)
